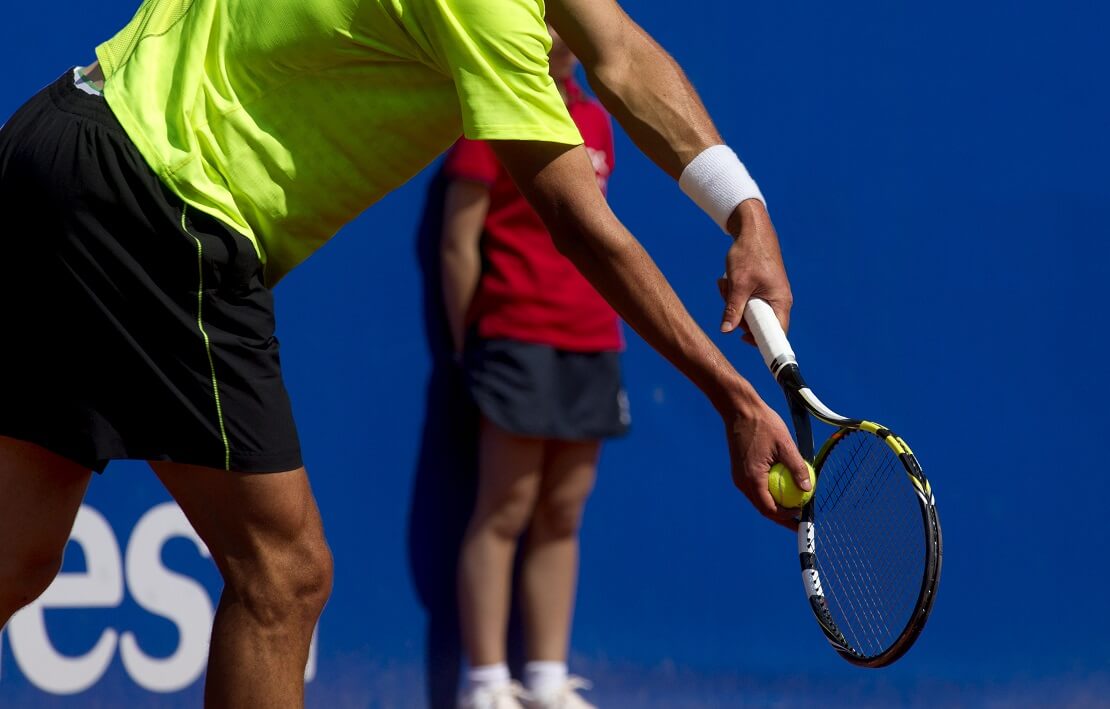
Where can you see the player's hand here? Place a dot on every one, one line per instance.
(757, 439)
(753, 269)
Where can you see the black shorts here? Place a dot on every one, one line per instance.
(134, 327)
(541, 392)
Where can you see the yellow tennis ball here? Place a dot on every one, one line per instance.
(785, 491)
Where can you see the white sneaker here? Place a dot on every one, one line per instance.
(566, 697)
(506, 696)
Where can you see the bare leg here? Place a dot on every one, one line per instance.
(266, 537)
(509, 479)
(40, 493)
(549, 575)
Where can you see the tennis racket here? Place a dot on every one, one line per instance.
(869, 540)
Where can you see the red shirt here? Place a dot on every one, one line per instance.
(529, 291)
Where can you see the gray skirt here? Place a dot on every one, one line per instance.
(542, 392)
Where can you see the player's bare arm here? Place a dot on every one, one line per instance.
(559, 183)
(650, 96)
(464, 211)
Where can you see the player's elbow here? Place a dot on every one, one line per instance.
(590, 244)
(620, 68)
(563, 240)
(612, 79)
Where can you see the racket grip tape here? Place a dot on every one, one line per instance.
(768, 335)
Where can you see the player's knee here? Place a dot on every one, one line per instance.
(509, 515)
(313, 582)
(286, 588)
(558, 516)
(505, 526)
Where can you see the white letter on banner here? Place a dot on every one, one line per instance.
(170, 595)
(99, 586)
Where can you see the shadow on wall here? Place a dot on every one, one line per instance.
(445, 481)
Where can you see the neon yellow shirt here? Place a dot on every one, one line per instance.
(287, 118)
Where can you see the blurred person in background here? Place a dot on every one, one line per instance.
(539, 350)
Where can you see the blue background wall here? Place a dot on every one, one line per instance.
(937, 173)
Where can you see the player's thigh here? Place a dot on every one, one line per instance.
(250, 521)
(40, 494)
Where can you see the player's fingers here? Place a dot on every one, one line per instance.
(782, 312)
(736, 299)
(766, 505)
(796, 464)
(788, 519)
(745, 331)
(729, 319)
(722, 288)
(778, 514)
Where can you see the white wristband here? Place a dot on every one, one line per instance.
(717, 181)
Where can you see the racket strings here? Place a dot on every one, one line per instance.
(872, 577)
(867, 618)
(869, 541)
(858, 606)
(880, 463)
(863, 582)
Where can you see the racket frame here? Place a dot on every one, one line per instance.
(804, 404)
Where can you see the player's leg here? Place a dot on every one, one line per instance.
(509, 479)
(40, 493)
(549, 571)
(265, 535)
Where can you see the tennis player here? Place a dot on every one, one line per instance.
(541, 361)
(212, 147)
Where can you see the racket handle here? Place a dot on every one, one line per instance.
(768, 334)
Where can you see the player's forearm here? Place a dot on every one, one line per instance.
(626, 276)
(587, 232)
(650, 96)
(461, 269)
(559, 183)
(464, 211)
